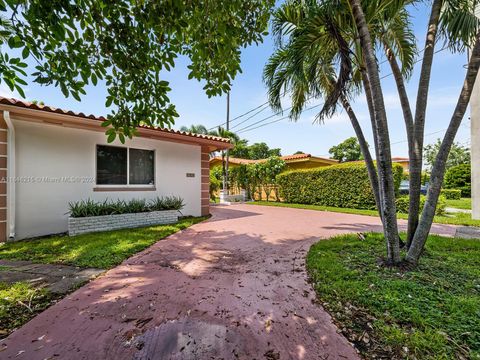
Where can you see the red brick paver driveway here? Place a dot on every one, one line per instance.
(232, 287)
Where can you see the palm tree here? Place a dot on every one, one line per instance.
(195, 129)
(234, 139)
(313, 40)
(461, 29)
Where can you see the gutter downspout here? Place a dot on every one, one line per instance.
(10, 176)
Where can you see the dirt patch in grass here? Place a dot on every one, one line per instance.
(432, 312)
(19, 302)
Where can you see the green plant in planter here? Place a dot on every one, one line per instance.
(85, 208)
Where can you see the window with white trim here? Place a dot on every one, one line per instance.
(125, 166)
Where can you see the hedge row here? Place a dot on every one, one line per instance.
(403, 204)
(452, 194)
(459, 177)
(345, 185)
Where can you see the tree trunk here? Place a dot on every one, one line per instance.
(372, 174)
(384, 160)
(416, 159)
(224, 172)
(438, 170)
(402, 93)
(371, 110)
(407, 116)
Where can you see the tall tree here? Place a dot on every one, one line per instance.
(347, 150)
(318, 55)
(458, 154)
(460, 27)
(340, 46)
(128, 45)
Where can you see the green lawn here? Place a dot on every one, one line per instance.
(430, 313)
(99, 250)
(452, 219)
(463, 203)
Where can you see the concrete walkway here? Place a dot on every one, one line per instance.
(232, 287)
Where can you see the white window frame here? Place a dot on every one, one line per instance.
(133, 186)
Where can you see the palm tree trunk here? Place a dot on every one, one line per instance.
(372, 174)
(416, 159)
(384, 160)
(414, 201)
(438, 170)
(371, 110)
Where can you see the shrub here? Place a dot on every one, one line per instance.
(89, 207)
(345, 185)
(459, 177)
(403, 202)
(215, 186)
(452, 194)
(166, 203)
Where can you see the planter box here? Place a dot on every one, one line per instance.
(82, 225)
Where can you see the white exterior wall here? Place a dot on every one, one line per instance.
(50, 151)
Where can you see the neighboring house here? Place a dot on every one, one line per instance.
(404, 161)
(293, 162)
(50, 157)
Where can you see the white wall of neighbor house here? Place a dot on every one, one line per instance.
(45, 152)
(475, 144)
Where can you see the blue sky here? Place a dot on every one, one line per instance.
(248, 92)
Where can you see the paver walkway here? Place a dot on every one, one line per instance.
(59, 279)
(232, 287)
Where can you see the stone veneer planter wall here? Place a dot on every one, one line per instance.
(82, 225)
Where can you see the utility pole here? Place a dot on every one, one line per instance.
(225, 183)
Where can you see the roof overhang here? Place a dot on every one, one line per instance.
(94, 124)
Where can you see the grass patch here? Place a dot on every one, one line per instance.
(20, 302)
(430, 313)
(463, 203)
(451, 219)
(98, 250)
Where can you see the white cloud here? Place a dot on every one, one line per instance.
(6, 92)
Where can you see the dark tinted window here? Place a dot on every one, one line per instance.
(111, 165)
(142, 167)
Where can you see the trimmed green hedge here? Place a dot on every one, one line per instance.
(459, 177)
(452, 194)
(403, 202)
(345, 185)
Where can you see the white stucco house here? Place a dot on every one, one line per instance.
(50, 157)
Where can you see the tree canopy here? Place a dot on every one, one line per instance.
(127, 45)
(347, 150)
(458, 154)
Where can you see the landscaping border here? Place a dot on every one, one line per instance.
(83, 225)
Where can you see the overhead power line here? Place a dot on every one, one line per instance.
(277, 120)
(285, 117)
(265, 104)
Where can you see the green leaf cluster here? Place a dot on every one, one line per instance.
(128, 46)
(345, 185)
(85, 208)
